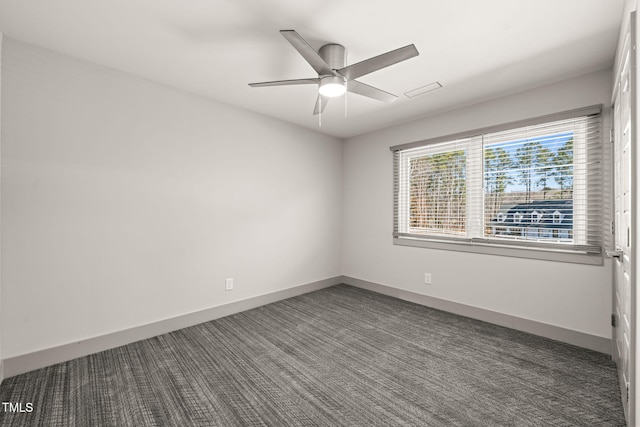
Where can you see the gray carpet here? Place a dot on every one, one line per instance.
(338, 356)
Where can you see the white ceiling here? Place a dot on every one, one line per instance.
(476, 49)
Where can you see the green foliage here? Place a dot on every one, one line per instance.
(526, 158)
(544, 162)
(533, 166)
(497, 162)
(538, 168)
(562, 171)
(438, 191)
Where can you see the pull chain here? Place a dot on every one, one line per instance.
(346, 85)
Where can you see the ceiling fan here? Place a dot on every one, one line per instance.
(334, 78)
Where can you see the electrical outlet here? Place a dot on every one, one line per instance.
(228, 284)
(427, 278)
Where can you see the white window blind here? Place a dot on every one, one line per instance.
(535, 184)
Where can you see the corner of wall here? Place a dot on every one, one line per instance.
(1, 360)
(39, 359)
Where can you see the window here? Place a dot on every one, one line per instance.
(534, 186)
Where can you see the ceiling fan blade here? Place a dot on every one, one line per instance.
(360, 88)
(376, 63)
(321, 103)
(286, 82)
(307, 52)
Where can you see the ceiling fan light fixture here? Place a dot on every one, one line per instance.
(335, 78)
(332, 86)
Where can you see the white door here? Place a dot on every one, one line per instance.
(623, 291)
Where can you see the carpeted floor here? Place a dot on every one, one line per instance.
(338, 356)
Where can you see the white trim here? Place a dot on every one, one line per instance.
(1, 364)
(580, 339)
(587, 238)
(563, 115)
(547, 254)
(39, 359)
(634, 402)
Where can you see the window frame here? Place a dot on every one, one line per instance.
(516, 248)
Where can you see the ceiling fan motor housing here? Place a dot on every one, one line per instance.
(335, 55)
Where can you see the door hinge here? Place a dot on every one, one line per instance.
(613, 228)
(627, 387)
(613, 320)
(612, 135)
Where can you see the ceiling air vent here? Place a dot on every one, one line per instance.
(422, 90)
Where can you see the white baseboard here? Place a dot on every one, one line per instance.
(40, 359)
(580, 339)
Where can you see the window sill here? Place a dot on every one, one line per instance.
(558, 255)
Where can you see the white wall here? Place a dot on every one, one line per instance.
(572, 296)
(125, 202)
(634, 406)
(1, 360)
